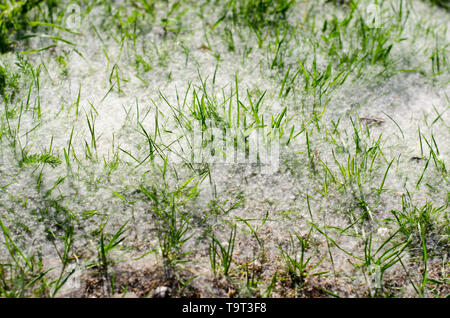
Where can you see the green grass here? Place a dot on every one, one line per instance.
(442, 3)
(109, 129)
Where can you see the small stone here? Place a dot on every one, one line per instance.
(162, 292)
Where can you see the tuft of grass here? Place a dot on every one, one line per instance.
(173, 225)
(421, 223)
(23, 275)
(14, 20)
(302, 63)
(65, 258)
(107, 243)
(223, 253)
(44, 158)
(441, 3)
(376, 263)
(260, 13)
(298, 264)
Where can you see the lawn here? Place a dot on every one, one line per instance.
(224, 148)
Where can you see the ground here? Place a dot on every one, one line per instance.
(239, 148)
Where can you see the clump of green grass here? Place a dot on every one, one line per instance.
(22, 275)
(44, 158)
(420, 223)
(221, 255)
(376, 263)
(65, 258)
(303, 64)
(441, 3)
(297, 262)
(13, 20)
(2, 81)
(107, 243)
(173, 225)
(9, 83)
(260, 13)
